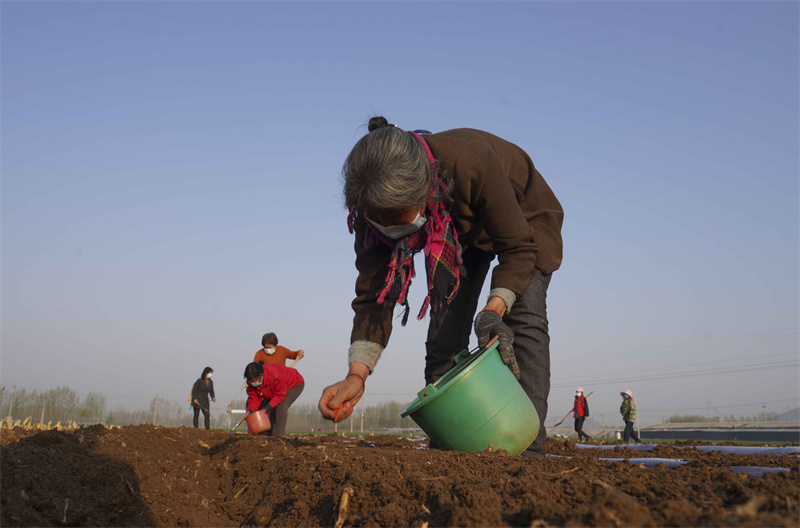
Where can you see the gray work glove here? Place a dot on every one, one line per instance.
(489, 324)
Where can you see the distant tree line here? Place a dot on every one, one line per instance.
(53, 405)
(769, 417)
(63, 404)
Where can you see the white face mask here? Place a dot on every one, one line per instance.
(577, 394)
(255, 383)
(269, 351)
(209, 375)
(399, 231)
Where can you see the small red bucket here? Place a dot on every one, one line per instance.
(258, 421)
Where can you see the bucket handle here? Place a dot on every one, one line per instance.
(464, 354)
(459, 358)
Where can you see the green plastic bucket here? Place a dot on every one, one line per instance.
(477, 404)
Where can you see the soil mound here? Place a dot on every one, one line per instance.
(154, 476)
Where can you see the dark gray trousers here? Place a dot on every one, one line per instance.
(579, 428)
(527, 319)
(280, 414)
(629, 433)
(197, 415)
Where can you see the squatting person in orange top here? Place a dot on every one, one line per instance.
(271, 352)
(463, 197)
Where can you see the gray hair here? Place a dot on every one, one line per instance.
(388, 169)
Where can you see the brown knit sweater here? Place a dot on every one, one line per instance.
(499, 203)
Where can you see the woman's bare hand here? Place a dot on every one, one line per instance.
(338, 400)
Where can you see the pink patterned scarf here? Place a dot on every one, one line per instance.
(439, 241)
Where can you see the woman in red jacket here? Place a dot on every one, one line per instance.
(274, 388)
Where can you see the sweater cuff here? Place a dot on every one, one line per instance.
(508, 296)
(365, 352)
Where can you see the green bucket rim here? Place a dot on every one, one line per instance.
(449, 378)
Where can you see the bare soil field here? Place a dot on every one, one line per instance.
(154, 476)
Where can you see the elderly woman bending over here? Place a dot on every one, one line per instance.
(463, 197)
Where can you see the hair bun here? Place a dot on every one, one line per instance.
(377, 122)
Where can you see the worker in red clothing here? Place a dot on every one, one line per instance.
(274, 388)
(580, 410)
(271, 352)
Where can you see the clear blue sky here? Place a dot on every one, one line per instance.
(171, 187)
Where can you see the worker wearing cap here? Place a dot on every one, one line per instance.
(580, 410)
(628, 412)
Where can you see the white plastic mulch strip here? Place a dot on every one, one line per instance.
(759, 471)
(751, 450)
(639, 447)
(649, 462)
(728, 450)
(755, 471)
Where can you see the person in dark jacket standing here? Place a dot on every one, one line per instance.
(275, 388)
(201, 390)
(580, 410)
(463, 197)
